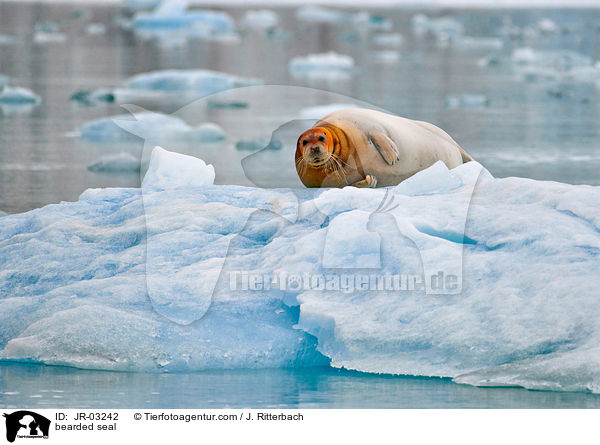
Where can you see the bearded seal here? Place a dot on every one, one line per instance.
(368, 148)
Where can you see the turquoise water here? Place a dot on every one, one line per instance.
(57, 387)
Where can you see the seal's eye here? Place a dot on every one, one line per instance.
(304, 142)
(321, 138)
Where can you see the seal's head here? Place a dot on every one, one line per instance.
(316, 146)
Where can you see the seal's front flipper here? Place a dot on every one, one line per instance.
(369, 182)
(385, 146)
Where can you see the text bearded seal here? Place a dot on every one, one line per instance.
(368, 148)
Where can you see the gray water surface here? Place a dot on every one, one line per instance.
(533, 129)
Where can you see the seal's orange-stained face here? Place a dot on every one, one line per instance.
(315, 146)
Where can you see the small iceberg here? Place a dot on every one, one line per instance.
(263, 19)
(548, 26)
(95, 29)
(118, 163)
(364, 20)
(443, 28)
(389, 40)
(137, 5)
(149, 126)
(42, 37)
(172, 15)
(319, 14)
(455, 101)
(18, 95)
(8, 39)
(554, 65)
(259, 144)
(325, 65)
(202, 82)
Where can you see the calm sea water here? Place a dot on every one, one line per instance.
(526, 130)
(57, 387)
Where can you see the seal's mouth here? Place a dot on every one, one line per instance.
(316, 155)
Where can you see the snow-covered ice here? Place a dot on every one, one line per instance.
(149, 126)
(18, 96)
(118, 163)
(116, 279)
(324, 65)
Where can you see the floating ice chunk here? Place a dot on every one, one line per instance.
(329, 64)
(319, 14)
(172, 15)
(226, 104)
(386, 56)
(392, 39)
(18, 95)
(8, 40)
(557, 59)
(204, 82)
(168, 170)
(562, 65)
(260, 19)
(136, 5)
(468, 42)
(548, 26)
(117, 163)
(95, 29)
(444, 28)
(149, 126)
(43, 37)
(365, 21)
(454, 101)
(258, 144)
(207, 132)
(320, 111)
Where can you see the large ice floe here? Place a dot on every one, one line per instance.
(172, 16)
(152, 279)
(329, 65)
(18, 96)
(167, 85)
(147, 125)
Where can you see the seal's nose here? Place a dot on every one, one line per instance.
(315, 149)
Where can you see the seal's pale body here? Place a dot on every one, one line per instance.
(368, 148)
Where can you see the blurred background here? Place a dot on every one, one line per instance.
(517, 88)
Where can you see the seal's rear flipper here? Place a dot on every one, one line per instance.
(466, 157)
